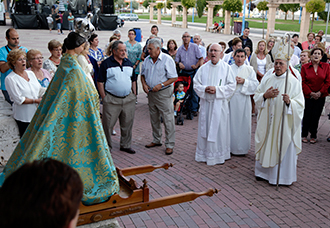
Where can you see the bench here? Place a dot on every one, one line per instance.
(211, 29)
(177, 24)
(153, 21)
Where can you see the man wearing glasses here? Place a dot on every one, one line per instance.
(214, 83)
(12, 38)
(189, 58)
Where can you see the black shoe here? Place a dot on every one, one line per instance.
(194, 113)
(128, 150)
(260, 179)
(328, 139)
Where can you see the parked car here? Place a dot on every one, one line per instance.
(129, 17)
(123, 16)
(133, 17)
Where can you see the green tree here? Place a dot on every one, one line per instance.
(285, 9)
(169, 4)
(200, 7)
(315, 6)
(293, 8)
(120, 3)
(135, 5)
(323, 15)
(232, 6)
(145, 4)
(160, 5)
(216, 10)
(262, 6)
(188, 3)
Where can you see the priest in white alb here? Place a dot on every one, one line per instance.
(240, 107)
(269, 98)
(214, 83)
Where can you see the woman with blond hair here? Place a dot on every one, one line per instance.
(260, 60)
(270, 45)
(23, 88)
(261, 63)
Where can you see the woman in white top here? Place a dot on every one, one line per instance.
(23, 88)
(260, 61)
(85, 63)
(51, 64)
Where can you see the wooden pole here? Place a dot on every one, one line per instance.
(283, 112)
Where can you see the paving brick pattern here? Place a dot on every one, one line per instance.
(242, 201)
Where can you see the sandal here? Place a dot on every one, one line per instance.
(313, 141)
(304, 140)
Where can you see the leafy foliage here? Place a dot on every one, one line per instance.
(262, 6)
(200, 7)
(188, 3)
(120, 3)
(216, 9)
(146, 3)
(232, 6)
(315, 6)
(169, 4)
(135, 5)
(160, 5)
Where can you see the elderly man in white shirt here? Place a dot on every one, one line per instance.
(198, 40)
(157, 77)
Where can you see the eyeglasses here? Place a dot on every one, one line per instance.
(21, 59)
(39, 58)
(131, 34)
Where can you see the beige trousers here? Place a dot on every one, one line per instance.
(161, 105)
(124, 109)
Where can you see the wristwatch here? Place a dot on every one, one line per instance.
(162, 85)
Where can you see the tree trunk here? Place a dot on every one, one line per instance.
(263, 27)
(286, 15)
(232, 23)
(312, 22)
(292, 16)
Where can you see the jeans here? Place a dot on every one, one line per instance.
(193, 100)
(71, 26)
(7, 98)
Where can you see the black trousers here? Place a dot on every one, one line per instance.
(312, 114)
(22, 127)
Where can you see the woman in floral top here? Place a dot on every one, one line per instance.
(134, 51)
(95, 52)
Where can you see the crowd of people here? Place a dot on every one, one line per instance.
(54, 99)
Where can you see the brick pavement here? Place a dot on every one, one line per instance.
(242, 202)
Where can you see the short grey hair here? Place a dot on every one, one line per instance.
(156, 42)
(185, 33)
(116, 32)
(200, 37)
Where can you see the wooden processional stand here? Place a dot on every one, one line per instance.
(132, 198)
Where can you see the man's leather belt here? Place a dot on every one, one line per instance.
(116, 95)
